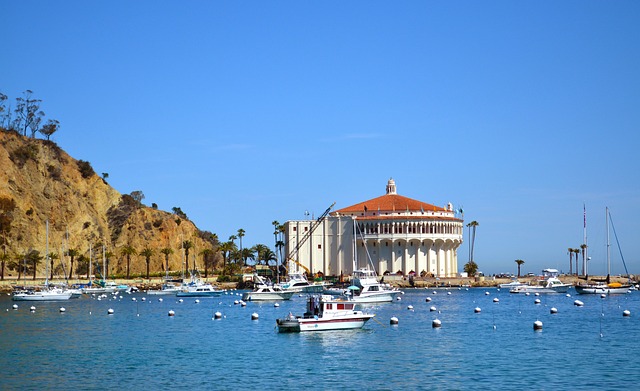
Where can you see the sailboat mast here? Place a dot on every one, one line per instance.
(46, 257)
(584, 240)
(608, 244)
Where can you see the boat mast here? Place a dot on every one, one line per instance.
(608, 244)
(46, 257)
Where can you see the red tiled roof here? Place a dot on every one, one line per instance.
(390, 203)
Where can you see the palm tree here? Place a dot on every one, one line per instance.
(186, 245)
(128, 251)
(583, 247)
(576, 251)
(34, 257)
(107, 256)
(570, 250)
(72, 253)
(519, 262)
(226, 248)
(147, 253)
(4, 258)
(247, 253)
(260, 250)
(472, 225)
(206, 255)
(52, 257)
(240, 236)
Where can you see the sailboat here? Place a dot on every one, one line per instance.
(606, 286)
(102, 286)
(45, 293)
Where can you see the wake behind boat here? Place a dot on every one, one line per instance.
(325, 313)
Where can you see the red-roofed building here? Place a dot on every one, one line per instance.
(392, 234)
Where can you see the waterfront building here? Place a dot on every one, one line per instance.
(392, 233)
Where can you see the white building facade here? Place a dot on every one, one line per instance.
(391, 233)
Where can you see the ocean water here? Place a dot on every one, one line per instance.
(140, 346)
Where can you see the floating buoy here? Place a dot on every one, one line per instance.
(428, 299)
(32, 309)
(110, 311)
(486, 293)
(526, 293)
(432, 308)
(236, 302)
(568, 295)
(218, 315)
(434, 292)
(254, 316)
(62, 309)
(143, 299)
(160, 300)
(180, 301)
(410, 307)
(398, 298)
(133, 299)
(477, 310)
(578, 303)
(15, 306)
(197, 301)
(242, 303)
(495, 300)
(536, 301)
(537, 325)
(276, 305)
(537, 294)
(553, 310)
(171, 313)
(393, 320)
(626, 313)
(436, 323)
(448, 293)
(602, 296)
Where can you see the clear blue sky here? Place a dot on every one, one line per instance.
(245, 112)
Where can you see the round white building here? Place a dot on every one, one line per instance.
(391, 233)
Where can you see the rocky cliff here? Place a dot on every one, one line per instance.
(39, 182)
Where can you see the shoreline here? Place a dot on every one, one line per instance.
(8, 284)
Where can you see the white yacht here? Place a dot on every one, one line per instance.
(263, 290)
(325, 313)
(367, 289)
(550, 283)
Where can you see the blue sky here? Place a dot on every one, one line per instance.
(245, 112)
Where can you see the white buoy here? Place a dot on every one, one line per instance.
(448, 293)
(143, 299)
(428, 299)
(393, 320)
(536, 301)
(486, 293)
(602, 296)
(527, 293)
(537, 325)
(568, 295)
(180, 301)
(133, 299)
(398, 298)
(410, 307)
(432, 308)
(495, 300)
(32, 309)
(578, 303)
(477, 310)
(626, 313)
(434, 292)
(276, 305)
(436, 323)
(242, 303)
(15, 306)
(254, 316)
(171, 313)
(553, 310)
(110, 311)
(236, 302)
(537, 294)
(197, 301)
(62, 309)
(160, 300)
(218, 315)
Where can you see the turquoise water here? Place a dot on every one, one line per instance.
(589, 347)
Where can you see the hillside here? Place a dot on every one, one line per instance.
(40, 182)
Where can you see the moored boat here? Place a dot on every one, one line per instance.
(265, 291)
(325, 313)
(369, 289)
(550, 283)
(44, 294)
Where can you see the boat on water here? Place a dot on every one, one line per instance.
(514, 283)
(199, 289)
(606, 286)
(100, 287)
(366, 288)
(550, 283)
(264, 290)
(298, 282)
(325, 313)
(169, 287)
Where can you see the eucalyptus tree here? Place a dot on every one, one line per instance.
(147, 253)
(519, 262)
(128, 251)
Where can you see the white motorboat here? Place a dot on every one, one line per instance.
(263, 290)
(100, 288)
(325, 313)
(298, 282)
(514, 283)
(45, 294)
(199, 290)
(367, 289)
(168, 288)
(550, 283)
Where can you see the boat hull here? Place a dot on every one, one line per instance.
(38, 296)
(602, 289)
(535, 289)
(199, 294)
(267, 296)
(319, 324)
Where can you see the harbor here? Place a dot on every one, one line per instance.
(139, 343)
